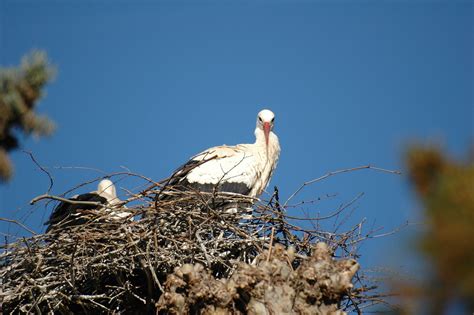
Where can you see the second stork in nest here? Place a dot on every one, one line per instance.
(74, 212)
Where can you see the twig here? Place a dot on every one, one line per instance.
(51, 182)
(271, 245)
(208, 258)
(19, 224)
(74, 202)
(335, 173)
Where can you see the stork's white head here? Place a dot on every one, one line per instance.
(106, 187)
(265, 122)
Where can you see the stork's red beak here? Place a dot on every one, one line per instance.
(266, 131)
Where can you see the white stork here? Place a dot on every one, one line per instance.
(244, 168)
(66, 214)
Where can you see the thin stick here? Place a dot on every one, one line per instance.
(339, 172)
(271, 244)
(74, 202)
(19, 224)
(51, 182)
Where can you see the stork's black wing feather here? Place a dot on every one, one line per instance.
(237, 188)
(181, 172)
(65, 214)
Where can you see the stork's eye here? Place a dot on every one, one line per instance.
(273, 119)
(260, 119)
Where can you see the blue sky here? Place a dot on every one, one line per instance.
(145, 85)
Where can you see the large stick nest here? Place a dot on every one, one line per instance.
(178, 247)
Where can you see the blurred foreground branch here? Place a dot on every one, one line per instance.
(445, 187)
(20, 90)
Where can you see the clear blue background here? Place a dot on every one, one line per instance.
(146, 85)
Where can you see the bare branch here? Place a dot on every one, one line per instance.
(336, 173)
(73, 202)
(51, 182)
(19, 224)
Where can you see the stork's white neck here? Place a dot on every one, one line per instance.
(259, 137)
(268, 158)
(273, 146)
